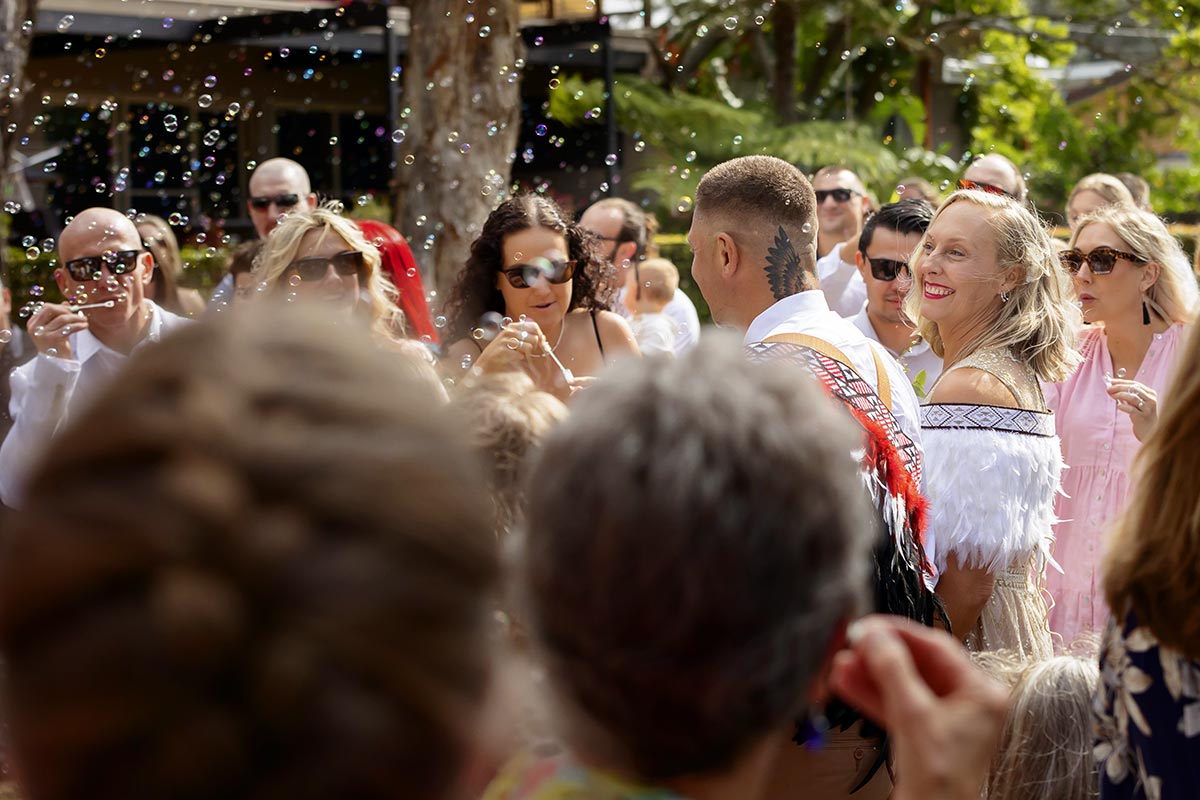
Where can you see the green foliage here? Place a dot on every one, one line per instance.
(693, 133)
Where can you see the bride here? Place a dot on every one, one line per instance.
(991, 299)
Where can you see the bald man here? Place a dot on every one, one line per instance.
(83, 342)
(278, 187)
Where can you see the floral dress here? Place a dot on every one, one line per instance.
(1147, 715)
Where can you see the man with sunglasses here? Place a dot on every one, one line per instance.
(842, 206)
(624, 231)
(84, 341)
(888, 241)
(995, 174)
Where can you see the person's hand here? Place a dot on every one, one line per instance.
(51, 326)
(1137, 400)
(512, 347)
(942, 713)
(581, 382)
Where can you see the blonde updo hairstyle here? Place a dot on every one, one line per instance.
(1040, 321)
(1174, 296)
(282, 247)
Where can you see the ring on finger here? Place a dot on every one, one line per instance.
(1141, 404)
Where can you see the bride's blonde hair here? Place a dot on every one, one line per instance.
(1040, 321)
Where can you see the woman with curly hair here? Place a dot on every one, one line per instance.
(531, 298)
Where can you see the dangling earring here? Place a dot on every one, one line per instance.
(1145, 312)
(1004, 297)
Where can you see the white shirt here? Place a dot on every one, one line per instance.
(655, 333)
(48, 390)
(843, 287)
(808, 313)
(917, 359)
(681, 310)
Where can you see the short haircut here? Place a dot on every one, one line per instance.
(834, 169)
(635, 222)
(659, 279)
(904, 217)
(768, 195)
(697, 531)
(271, 577)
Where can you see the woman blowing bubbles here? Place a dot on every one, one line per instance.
(991, 299)
(533, 284)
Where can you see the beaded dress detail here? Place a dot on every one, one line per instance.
(992, 474)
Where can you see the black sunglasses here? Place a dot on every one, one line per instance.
(314, 268)
(1101, 260)
(523, 276)
(885, 269)
(281, 200)
(88, 268)
(840, 195)
(982, 187)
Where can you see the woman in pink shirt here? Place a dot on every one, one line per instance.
(1137, 291)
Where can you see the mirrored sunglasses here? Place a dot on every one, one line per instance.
(982, 187)
(88, 268)
(523, 276)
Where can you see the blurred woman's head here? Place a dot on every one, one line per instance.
(164, 288)
(986, 273)
(321, 256)
(259, 566)
(1094, 192)
(530, 260)
(1111, 284)
(1045, 749)
(697, 533)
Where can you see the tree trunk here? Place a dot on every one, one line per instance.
(784, 85)
(15, 38)
(462, 85)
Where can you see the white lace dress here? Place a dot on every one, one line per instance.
(991, 475)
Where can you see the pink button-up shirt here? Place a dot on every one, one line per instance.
(1098, 446)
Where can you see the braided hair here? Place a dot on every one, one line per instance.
(256, 568)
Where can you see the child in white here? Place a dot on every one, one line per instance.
(651, 285)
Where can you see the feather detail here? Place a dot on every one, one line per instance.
(991, 495)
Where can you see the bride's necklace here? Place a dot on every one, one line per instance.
(561, 330)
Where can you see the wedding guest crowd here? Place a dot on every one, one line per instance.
(921, 522)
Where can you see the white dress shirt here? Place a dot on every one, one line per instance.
(48, 390)
(915, 360)
(843, 287)
(807, 312)
(681, 310)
